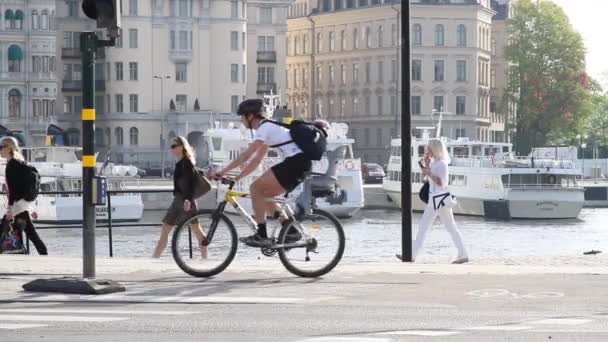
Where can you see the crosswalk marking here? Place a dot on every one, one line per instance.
(11, 326)
(561, 321)
(99, 312)
(435, 333)
(38, 318)
(499, 328)
(115, 298)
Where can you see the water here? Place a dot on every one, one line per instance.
(375, 235)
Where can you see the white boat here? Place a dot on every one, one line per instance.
(61, 170)
(488, 180)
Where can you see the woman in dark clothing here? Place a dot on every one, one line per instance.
(183, 203)
(18, 208)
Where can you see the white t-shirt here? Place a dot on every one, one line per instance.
(439, 168)
(272, 134)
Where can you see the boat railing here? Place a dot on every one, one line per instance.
(543, 186)
(500, 161)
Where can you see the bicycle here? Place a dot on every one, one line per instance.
(222, 236)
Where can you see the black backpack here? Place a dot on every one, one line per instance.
(311, 139)
(32, 182)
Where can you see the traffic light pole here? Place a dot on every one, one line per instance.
(88, 48)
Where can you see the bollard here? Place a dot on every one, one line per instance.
(109, 201)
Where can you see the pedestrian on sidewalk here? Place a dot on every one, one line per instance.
(19, 209)
(441, 201)
(183, 203)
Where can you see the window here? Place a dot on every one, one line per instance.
(332, 74)
(181, 72)
(394, 34)
(119, 104)
(332, 41)
(134, 136)
(439, 70)
(439, 35)
(244, 73)
(319, 42)
(118, 40)
(355, 72)
(244, 40)
(133, 103)
(342, 105)
(77, 72)
(234, 9)
(493, 78)
(380, 71)
(119, 136)
(366, 136)
(462, 35)
(234, 40)
(393, 70)
(183, 41)
(355, 105)
(493, 104)
(172, 40)
(266, 75)
(379, 138)
(305, 44)
(342, 40)
(295, 78)
(14, 103)
(67, 104)
(44, 20)
(36, 22)
(460, 133)
(355, 39)
(393, 104)
(15, 55)
(380, 104)
(343, 74)
(417, 32)
(367, 104)
(493, 46)
(305, 77)
(368, 72)
(461, 71)
(133, 7)
(234, 73)
(438, 103)
(416, 105)
(181, 101)
(266, 15)
(461, 105)
(234, 102)
(380, 36)
(133, 71)
(319, 77)
(265, 43)
(185, 8)
(368, 37)
(72, 8)
(416, 70)
(118, 67)
(133, 39)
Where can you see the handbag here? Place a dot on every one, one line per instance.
(443, 200)
(424, 192)
(11, 238)
(201, 184)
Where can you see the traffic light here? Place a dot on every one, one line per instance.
(106, 12)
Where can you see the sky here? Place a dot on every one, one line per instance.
(589, 17)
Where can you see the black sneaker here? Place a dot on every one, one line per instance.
(293, 235)
(256, 241)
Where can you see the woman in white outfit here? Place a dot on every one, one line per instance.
(435, 168)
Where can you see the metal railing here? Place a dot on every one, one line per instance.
(109, 224)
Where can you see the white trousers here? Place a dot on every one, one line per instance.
(447, 218)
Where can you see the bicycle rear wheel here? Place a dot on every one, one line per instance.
(220, 251)
(324, 232)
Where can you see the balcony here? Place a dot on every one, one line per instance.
(74, 53)
(177, 56)
(42, 76)
(13, 76)
(266, 57)
(265, 88)
(100, 85)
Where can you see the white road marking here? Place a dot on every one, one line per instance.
(10, 326)
(36, 318)
(168, 299)
(562, 321)
(422, 332)
(99, 312)
(499, 328)
(571, 331)
(345, 339)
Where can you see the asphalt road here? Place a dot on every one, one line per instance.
(376, 307)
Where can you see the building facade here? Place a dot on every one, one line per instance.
(344, 65)
(177, 65)
(28, 83)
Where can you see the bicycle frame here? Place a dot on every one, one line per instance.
(231, 198)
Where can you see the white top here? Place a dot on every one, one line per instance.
(273, 134)
(439, 168)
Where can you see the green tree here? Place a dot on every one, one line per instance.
(597, 127)
(548, 80)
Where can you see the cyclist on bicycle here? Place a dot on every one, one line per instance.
(281, 178)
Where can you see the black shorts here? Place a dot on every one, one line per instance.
(290, 172)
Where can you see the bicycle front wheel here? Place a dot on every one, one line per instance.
(204, 261)
(324, 237)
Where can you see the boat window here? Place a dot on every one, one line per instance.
(505, 149)
(476, 150)
(420, 151)
(217, 143)
(461, 152)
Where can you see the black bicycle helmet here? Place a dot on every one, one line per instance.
(250, 106)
